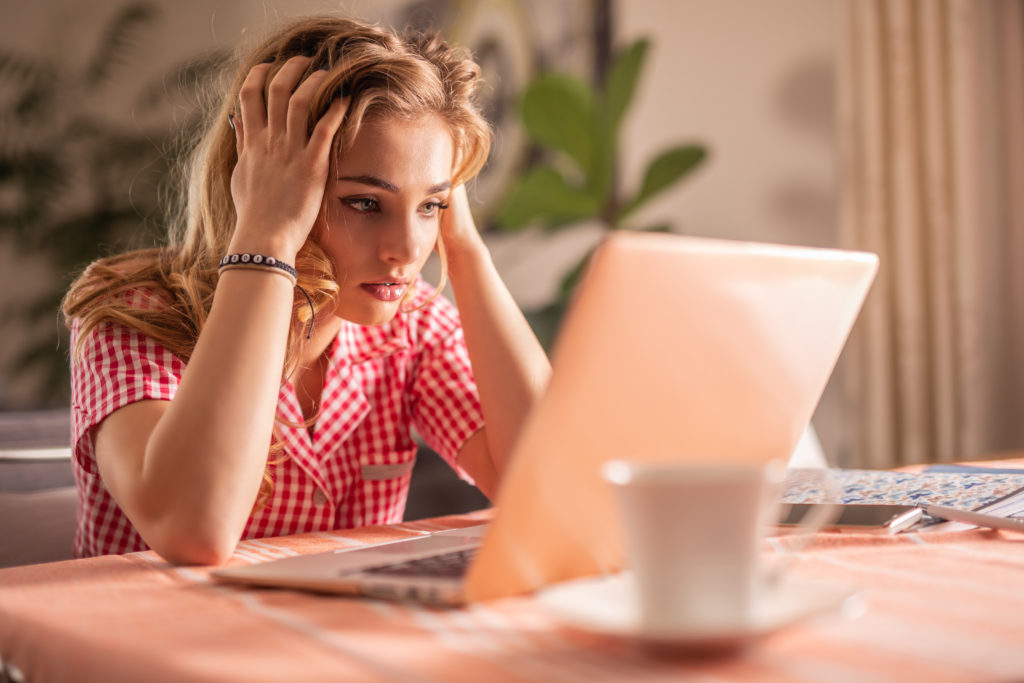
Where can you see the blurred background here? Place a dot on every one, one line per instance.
(893, 126)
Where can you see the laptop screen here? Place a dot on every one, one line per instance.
(674, 348)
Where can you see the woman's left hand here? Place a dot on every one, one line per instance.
(458, 229)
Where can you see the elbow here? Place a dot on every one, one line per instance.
(191, 545)
(187, 532)
(196, 555)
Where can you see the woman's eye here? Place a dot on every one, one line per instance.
(363, 204)
(431, 208)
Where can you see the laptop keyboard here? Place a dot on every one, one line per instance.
(451, 564)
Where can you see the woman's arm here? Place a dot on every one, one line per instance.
(509, 364)
(187, 472)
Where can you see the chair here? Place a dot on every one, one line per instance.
(435, 489)
(37, 526)
(37, 492)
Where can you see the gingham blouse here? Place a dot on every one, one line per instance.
(381, 383)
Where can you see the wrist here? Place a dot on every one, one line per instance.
(268, 245)
(465, 255)
(276, 253)
(246, 261)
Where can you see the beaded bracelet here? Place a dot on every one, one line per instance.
(261, 262)
(258, 261)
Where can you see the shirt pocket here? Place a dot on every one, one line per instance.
(388, 466)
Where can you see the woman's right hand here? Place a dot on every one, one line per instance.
(279, 180)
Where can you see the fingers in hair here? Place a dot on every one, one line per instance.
(252, 107)
(279, 93)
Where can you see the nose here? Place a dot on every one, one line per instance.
(400, 242)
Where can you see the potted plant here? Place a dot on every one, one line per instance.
(73, 185)
(576, 126)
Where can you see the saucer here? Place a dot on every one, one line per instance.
(606, 605)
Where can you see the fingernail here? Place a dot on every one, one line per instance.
(231, 122)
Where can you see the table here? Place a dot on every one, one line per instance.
(940, 607)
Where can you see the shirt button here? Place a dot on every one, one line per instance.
(319, 497)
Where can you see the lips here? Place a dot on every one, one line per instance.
(385, 291)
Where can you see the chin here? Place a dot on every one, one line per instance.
(377, 315)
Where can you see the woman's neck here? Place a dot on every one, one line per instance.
(324, 331)
(308, 380)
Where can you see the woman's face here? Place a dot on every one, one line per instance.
(383, 213)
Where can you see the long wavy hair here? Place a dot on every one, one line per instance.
(166, 293)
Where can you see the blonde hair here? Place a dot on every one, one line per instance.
(385, 74)
(165, 293)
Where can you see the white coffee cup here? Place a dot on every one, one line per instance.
(692, 535)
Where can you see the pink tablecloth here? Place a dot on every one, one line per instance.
(940, 607)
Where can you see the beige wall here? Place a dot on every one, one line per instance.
(752, 79)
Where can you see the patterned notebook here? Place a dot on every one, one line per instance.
(962, 489)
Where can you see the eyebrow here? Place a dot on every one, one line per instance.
(391, 187)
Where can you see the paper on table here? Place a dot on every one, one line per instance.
(997, 492)
(967, 491)
(1011, 505)
(973, 469)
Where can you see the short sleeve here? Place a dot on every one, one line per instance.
(447, 403)
(114, 367)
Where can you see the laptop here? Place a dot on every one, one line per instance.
(674, 348)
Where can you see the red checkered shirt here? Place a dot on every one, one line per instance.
(382, 382)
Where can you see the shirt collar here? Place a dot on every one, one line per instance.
(359, 343)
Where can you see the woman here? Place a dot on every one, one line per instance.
(219, 393)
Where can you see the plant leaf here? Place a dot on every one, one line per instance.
(544, 194)
(72, 186)
(665, 170)
(559, 112)
(622, 79)
(546, 321)
(19, 67)
(660, 227)
(600, 180)
(117, 40)
(39, 90)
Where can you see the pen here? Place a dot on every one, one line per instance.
(978, 518)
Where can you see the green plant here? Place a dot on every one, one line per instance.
(75, 186)
(577, 126)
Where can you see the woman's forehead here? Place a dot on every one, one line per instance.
(405, 152)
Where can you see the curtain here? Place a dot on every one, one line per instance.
(931, 178)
